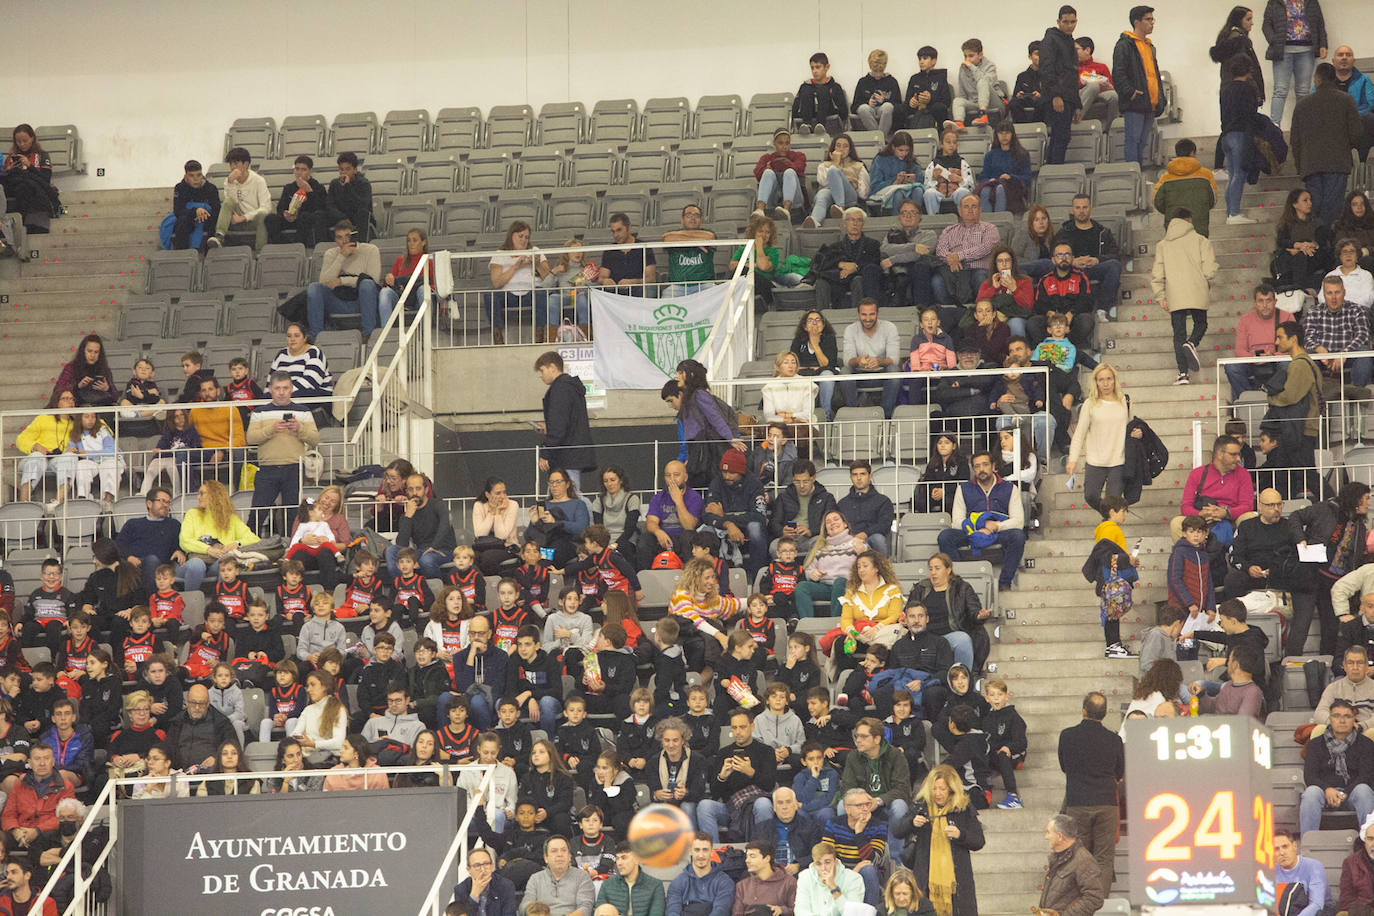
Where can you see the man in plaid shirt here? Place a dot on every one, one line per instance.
(1340, 327)
(965, 246)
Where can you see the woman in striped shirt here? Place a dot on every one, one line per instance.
(305, 363)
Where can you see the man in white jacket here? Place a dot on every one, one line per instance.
(245, 203)
(1184, 264)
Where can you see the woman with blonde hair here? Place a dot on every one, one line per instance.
(902, 896)
(208, 532)
(789, 397)
(705, 612)
(827, 567)
(329, 502)
(944, 829)
(1099, 442)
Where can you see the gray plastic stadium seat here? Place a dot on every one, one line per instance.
(465, 214)
(303, 135)
(62, 143)
(257, 135)
(409, 212)
(436, 173)
(1118, 184)
(355, 131)
(1085, 143)
(719, 116)
(276, 172)
(251, 315)
(699, 160)
(528, 208)
(633, 201)
(646, 163)
(666, 120)
(228, 268)
(745, 153)
(144, 317)
(1056, 185)
(406, 132)
(457, 129)
(510, 126)
(672, 198)
(200, 320)
(562, 124)
(389, 176)
(172, 271)
(614, 121)
(594, 165)
(540, 168)
(731, 204)
(571, 209)
(768, 111)
(19, 525)
(281, 266)
(487, 170)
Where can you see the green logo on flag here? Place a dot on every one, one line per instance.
(671, 339)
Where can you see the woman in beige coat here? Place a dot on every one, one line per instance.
(1099, 440)
(1184, 263)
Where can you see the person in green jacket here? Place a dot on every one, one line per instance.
(630, 890)
(880, 770)
(1185, 184)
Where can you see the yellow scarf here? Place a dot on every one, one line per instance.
(942, 887)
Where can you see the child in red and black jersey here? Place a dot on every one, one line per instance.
(780, 580)
(230, 590)
(617, 573)
(285, 702)
(71, 660)
(241, 386)
(706, 546)
(410, 588)
(365, 587)
(11, 652)
(293, 597)
(760, 627)
(457, 738)
(468, 577)
(448, 624)
(6, 592)
(508, 616)
(140, 645)
(167, 607)
(532, 575)
(210, 646)
(257, 646)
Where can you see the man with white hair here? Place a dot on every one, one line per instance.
(47, 851)
(797, 831)
(851, 265)
(1073, 882)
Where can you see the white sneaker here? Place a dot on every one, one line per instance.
(1183, 379)
(1103, 317)
(1240, 220)
(1190, 352)
(1116, 650)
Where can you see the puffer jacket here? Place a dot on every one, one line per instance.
(1073, 883)
(928, 353)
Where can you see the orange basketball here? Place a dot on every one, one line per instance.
(661, 835)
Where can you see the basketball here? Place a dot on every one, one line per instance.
(661, 835)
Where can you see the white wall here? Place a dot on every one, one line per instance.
(159, 81)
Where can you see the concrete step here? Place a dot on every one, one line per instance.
(83, 235)
(79, 285)
(113, 209)
(146, 197)
(138, 251)
(103, 267)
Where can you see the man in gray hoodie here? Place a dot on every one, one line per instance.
(396, 722)
(975, 91)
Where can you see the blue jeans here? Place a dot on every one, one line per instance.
(757, 535)
(878, 542)
(1360, 800)
(993, 198)
(1138, 126)
(194, 571)
(498, 301)
(808, 592)
(1061, 125)
(1233, 144)
(791, 191)
(1105, 278)
(825, 383)
(837, 191)
(1011, 540)
(1239, 377)
(934, 198)
(711, 812)
(1359, 373)
(894, 200)
(576, 300)
(1043, 426)
(1017, 326)
(850, 392)
(430, 562)
(481, 711)
(1293, 69)
(1328, 195)
(388, 298)
(321, 302)
(549, 710)
(271, 481)
(962, 644)
(921, 279)
(686, 289)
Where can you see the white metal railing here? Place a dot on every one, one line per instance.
(105, 811)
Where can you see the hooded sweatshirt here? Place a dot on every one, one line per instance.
(716, 891)
(1184, 263)
(779, 889)
(1185, 183)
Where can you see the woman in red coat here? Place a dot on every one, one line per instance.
(1010, 291)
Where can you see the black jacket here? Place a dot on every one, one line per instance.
(789, 507)
(862, 251)
(1005, 728)
(870, 512)
(867, 85)
(741, 503)
(802, 834)
(936, 82)
(1029, 82)
(502, 898)
(183, 196)
(542, 677)
(1319, 523)
(970, 839)
(1093, 760)
(1059, 68)
(1237, 42)
(1318, 770)
(1270, 547)
(1275, 27)
(924, 651)
(963, 606)
(428, 527)
(353, 202)
(759, 754)
(567, 442)
(699, 774)
(1096, 241)
(1130, 76)
(1353, 632)
(101, 706)
(315, 205)
(192, 740)
(816, 102)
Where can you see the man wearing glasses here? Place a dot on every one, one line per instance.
(1220, 491)
(198, 731)
(487, 893)
(1265, 555)
(153, 540)
(881, 771)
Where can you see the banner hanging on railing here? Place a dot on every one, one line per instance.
(639, 342)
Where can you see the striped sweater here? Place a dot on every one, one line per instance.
(851, 848)
(309, 372)
(683, 605)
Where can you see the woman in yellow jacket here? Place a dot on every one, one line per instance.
(872, 599)
(47, 436)
(208, 532)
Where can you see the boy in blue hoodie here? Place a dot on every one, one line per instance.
(817, 782)
(1190, 581)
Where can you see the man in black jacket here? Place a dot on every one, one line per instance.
(350, 197)
(792, 849)
(1094, 762)
(1264, 554)
(737, 505)
(739, 765)
(1326, 127)
(1338, 770)
(854, 264)
(800, 511)
(567, 432)
(1135, 74)
(1095, 252)
(869, 513)
(300, 215)
(483, 890)
(426, 527)
(820, 103)
(928, 93)
(1059, 82)
(1064, 289)
(196, 733)
(921, 651)
(195, 202)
